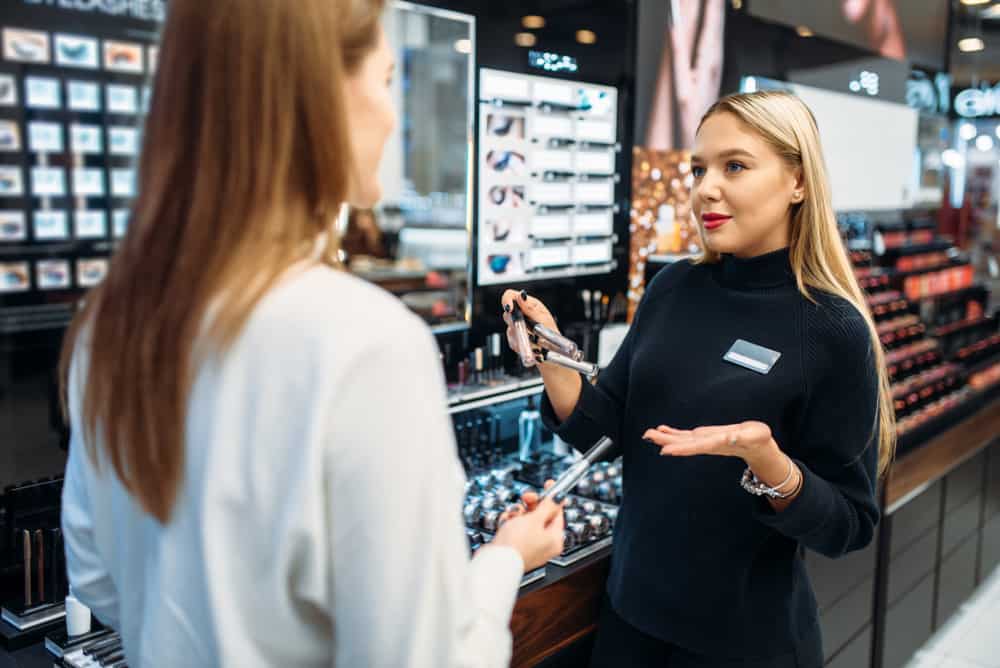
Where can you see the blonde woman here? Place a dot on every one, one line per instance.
(750, 402)
(262, 471)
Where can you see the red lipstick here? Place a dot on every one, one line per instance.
(714, 221)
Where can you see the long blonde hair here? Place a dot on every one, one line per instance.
(245, 163)
(818, 257)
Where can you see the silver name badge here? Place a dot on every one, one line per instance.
(751, 356)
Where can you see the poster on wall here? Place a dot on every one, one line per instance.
(547, 149)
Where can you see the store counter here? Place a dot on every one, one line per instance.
(553, 613)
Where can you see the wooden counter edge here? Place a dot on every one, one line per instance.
(551, 618)
(942, 454)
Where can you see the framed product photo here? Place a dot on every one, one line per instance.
(123, 57)
(123, 141)
(45, 137)
(77, 51)
(25, 46)
(123, 183)
(51, 226)
(48, 182)
(13, 226)
(122, 99)
(42, 93)
(88, 182)
(87, 139)
(14, 277)
(119, 222)
(91, 224)
(52, 274)
(90, 272)
(11, 181)
(83, 96)
(8, 90)
(10, 136)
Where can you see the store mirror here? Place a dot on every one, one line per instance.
(416, 243)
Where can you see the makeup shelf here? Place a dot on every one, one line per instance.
(934, 343)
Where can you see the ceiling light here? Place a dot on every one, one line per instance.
(533, 22)
(984, 142)
(998, 132)
(463, 45)
(967, 131)
(952, 158)
(971, 3)
(737, 4)
(804, 31)
(524, 39)
(970, 44)
(586, 36)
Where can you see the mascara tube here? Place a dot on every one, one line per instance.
(568, 480)
(588, 369)
(559, 343)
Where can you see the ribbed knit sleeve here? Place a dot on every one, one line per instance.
(836, 511)
(600, 409)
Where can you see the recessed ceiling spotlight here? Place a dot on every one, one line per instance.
(524, 39)
(970, 44)
(533, 22)
(804, 31)
(586, 36)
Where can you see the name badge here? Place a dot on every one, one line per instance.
(751, 356)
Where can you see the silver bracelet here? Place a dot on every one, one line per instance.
(752, 484)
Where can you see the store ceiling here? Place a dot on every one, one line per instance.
(980, 21)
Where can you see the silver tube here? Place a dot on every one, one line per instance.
(571, 476)
(562, 344)
(588, 369)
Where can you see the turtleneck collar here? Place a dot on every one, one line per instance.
(769, 270)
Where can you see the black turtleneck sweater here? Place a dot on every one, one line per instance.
(697, 561)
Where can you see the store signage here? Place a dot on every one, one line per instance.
(551, 62)
(975, 102)
(144, 10)
(928, 93)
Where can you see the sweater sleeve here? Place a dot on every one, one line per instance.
(600, 409)
(836, 510)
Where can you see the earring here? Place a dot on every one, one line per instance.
(796, 197)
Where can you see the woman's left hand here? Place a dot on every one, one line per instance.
(747, 440)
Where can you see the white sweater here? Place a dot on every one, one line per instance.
(319, 520)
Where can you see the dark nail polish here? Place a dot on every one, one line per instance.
(506, 308)
(524, 295)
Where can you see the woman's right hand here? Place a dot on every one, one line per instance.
(537, 534)
(533, 309)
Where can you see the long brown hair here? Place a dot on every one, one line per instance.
(245, 164)
(818, 257)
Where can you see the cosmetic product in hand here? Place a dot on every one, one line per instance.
(524, 350)
(573, 474)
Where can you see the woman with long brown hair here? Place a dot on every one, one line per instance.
(261, 469)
